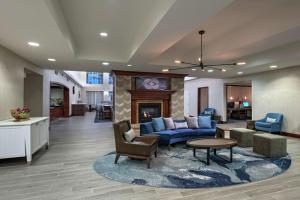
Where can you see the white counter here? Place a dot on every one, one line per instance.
(13, 122)
(24, 138)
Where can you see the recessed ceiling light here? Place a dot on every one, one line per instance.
(273, 66)
(224, 70)
(177, 61)
(105, 63)
(103, 34)
(33, 44)
(240, 73)
(241, 63)
(165, 70)
(129, 65)
(52, 59)
(210, 70)
(194, 69)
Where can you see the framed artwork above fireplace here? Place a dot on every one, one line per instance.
(150, 83)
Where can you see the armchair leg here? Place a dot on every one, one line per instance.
(148, 162)
(117, 158)
(155, 154)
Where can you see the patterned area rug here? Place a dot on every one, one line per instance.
(179, 169)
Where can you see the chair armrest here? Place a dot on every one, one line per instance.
(149, 139)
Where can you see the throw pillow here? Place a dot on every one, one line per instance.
(169, 123)
(270, 120)
(130, 135)
(158, 124)
(179, 125)
(207, 112)
(192, 122)
(204, 122)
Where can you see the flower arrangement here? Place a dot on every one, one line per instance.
(20, 114)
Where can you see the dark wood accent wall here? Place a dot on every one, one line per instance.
(148, 95)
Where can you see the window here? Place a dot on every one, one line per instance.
(110, 80)
(94, 78)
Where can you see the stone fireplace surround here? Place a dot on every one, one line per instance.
(127, 98)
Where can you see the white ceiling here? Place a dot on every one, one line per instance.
(151, 34)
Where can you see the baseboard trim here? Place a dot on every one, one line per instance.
(294, 135)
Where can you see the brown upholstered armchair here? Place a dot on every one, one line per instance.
(141, 147)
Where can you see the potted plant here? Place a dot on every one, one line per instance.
(20, 114)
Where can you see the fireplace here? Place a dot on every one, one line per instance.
(147, 111)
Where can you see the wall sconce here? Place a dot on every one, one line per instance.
(245, 98)
(231, 98)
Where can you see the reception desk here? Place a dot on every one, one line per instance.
(22, 139)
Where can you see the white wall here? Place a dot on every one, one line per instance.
(81, 78)
(215, 95)
(12, 81)
(50, 76)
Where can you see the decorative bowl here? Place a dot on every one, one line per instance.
(20, 114)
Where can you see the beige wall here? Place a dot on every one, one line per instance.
(12, 81)
(278, 91)
(33, 93)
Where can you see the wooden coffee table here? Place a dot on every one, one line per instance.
(214, 143)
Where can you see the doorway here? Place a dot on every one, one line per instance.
(239, 101)
(202, 99)
(59, 101)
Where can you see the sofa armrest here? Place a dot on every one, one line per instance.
(213, 124)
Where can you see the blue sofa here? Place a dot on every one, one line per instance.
(168, 137)
(274, 127)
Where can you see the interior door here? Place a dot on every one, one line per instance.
(202, 99)
(66, 102)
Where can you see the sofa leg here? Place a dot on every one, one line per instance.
(117, 158)
(155, 154)
(148, 163)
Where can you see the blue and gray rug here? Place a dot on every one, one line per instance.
(179, 169)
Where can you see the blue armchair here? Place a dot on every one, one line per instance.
(208, 112)
(272, 127)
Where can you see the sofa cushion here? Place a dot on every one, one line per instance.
(179, 125)
(192, 122)
(146, 128)
(158, 124)
(186, 132)
(205, 132)
(169, 124)
(204, 122)
(263, 124)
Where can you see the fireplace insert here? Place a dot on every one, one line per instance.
(147, 111)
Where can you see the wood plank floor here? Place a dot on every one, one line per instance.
(65, 171)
